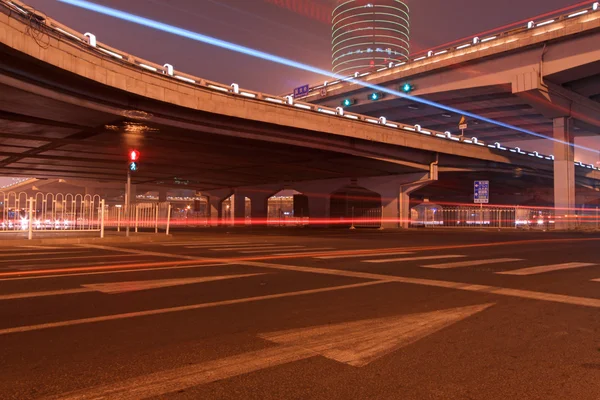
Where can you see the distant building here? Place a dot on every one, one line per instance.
(369, 33)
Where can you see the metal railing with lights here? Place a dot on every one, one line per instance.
(167, 70)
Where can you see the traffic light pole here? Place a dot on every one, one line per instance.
(127, 202)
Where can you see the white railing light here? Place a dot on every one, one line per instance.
(235, 88)
(91, 39)
(382, 120)
(169, 69)
(340, 111)
(418, 128)
(289, 100)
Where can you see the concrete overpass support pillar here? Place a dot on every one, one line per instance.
(564, 173)
(162, 196)
(214, 210)
(239, 209)
(318, 209)
(259, 209)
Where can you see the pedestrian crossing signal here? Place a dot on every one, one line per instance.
(134, 157)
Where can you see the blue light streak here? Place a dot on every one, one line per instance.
(291, 63)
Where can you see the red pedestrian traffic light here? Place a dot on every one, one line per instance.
(134, 155)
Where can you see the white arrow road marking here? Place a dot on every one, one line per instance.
(134, 286)
(471, 263)
(199, 306)
(355, 343)
(122, 287)
(545, 268)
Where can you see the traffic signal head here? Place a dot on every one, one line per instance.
(407, 88)
(375, 96)
(347, 102)
(134, 157)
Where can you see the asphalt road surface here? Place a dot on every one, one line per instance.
(304, 314)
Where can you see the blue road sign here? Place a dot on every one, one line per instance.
(482, 192)
(301, 91)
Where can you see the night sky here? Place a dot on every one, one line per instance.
(260, 24)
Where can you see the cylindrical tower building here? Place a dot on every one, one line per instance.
(369, 33)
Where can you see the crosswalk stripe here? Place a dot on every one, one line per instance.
(545, 268)
(88, 257)
(470, 263)
(303, 251)
(205, 246)
(387, 260)
(199, 243)
(263, 247)
(332, 257)
(283, 248)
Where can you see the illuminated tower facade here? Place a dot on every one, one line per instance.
(369, 33)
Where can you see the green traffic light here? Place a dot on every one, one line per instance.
(347, 103)
(407, 88)
(133, 166)
(374, 96)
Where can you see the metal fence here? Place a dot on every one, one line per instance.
(49, 212)
(542, 218)
(140, 217)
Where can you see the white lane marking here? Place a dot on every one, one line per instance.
(545, 268)
(128, 286)
(333, 257)
(125, 271)
(355, 343)
(596, 280)
(44, 247)
(25, 253)
(282, 248)
(139, 252)
(205, 246)
(389, 260)
(114, 317)
(134, 286)
(198, 243)
(304, 252)
(44, 259)
(255, 247)
(30, 295)
(525, 294)
(461, 264)
(27, 267)
(359, 343)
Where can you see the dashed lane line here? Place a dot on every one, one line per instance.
(473, 263)
(343, 255)
(545, 268)
(404, 259)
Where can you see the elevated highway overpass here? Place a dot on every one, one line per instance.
(71, 107)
